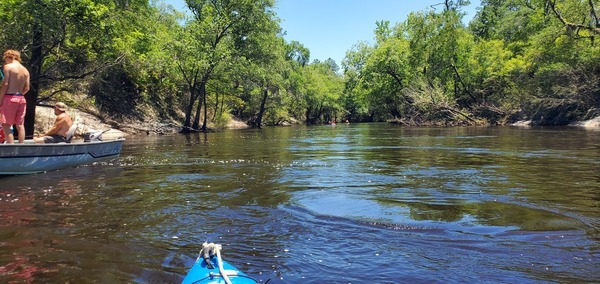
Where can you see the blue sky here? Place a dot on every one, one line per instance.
(328, 28)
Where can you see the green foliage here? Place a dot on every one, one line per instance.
(116, 102)
(221, 120)
(295, 51)
(519, 60)
(321, 92)
(516, 60)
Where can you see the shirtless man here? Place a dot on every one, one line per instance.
(58, 132)
(12, 96)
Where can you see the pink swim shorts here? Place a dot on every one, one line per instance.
(12, 110)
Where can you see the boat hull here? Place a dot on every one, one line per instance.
(201, 274)
(16, 159)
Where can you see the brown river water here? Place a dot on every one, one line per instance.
(357, 203)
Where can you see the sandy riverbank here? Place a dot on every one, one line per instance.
(88, 123)
(590, 124)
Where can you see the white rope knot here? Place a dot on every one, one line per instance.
(207, 252)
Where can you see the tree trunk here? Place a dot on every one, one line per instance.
(258, 122)
(205, 108)
(307, 115)
(217, 111)
(35, 72)
(202, 94)
(188, 111)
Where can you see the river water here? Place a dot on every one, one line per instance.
(357, 203)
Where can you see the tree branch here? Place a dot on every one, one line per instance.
(572, 26)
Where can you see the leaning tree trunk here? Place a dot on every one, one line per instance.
(201, 95)
(204, 122)
(188, 111)
(258, 121)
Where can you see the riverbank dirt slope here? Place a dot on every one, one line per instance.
(87, 122)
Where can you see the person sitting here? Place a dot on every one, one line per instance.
(58, 132)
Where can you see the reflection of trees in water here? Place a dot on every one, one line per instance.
(15, 208)
(45, 216)
(489, 214)
(26, 222)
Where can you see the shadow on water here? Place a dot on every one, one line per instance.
(344, 204)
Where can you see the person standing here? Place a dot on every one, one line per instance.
(12, 96)
(58, 132)
(1, 131)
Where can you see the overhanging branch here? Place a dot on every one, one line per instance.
(594, 29)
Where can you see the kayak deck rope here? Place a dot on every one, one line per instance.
(207, 252)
